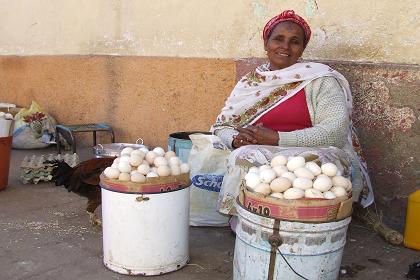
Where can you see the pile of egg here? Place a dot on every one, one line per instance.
(6, 116)
(293, 178)
(136, 165)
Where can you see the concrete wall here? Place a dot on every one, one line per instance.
(140, 97)
(152, 68)
(358, 30)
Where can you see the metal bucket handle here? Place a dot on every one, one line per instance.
(100, 145)
(141, 141)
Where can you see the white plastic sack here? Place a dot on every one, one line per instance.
(208, 161)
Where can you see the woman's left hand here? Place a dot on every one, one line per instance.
(263, 135)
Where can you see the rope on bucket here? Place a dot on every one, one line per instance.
(291, 266)
(275, 242)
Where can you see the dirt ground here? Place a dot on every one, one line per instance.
(45, 234)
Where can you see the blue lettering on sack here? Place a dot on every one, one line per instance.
(208, 182)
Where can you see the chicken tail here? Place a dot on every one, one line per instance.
(61, 173)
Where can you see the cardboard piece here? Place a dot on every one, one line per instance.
(152, 185)
(302, 210)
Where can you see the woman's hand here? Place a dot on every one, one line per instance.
(244, 138)
(256, 135)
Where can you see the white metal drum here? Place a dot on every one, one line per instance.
(145, 234)
(312, 250)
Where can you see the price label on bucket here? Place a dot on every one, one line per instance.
(305, 210)
(291, 212)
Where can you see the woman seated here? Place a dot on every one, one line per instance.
(287, 103)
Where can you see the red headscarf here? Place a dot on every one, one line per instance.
(288, 15)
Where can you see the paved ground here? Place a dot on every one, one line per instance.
(45, 234)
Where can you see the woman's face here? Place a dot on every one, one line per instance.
(285, 45)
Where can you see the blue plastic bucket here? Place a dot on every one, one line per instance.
(180, 143)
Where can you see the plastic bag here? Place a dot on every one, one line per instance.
(34, 128)
(208, 161)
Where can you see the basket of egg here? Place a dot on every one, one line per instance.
(141, 170)
(295, 190)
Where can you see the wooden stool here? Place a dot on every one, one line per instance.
(67, 132)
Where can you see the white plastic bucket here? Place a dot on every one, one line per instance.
(312, 250)
(145, 234)
(5, 127)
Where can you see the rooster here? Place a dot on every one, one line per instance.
(83, 179)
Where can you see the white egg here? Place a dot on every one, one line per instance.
(144, 150)
(139, 153)
(293, 193)
(112, 173)
(263, 188)
(295, 162)
(313, 193)
(329, 169)
(315, 169)
(267, 175)
(159, 151)
(280, 170)
(115, 165)
(289, 175)
(8, 116)
(143, 168)
(329, 195)
(280, 184)
(278, 160)
(251, 174)
(135, 160)
(303, 172)
(137, 177)
(252, 180)
(340, 181)
(253, 169)
(151, 175)
(185, 168)
(150, 157)
(117, 160)
(124, 176)
(339, 191)
(126, 151)
(163, 171)
(322, 183)
(174, 161)
(153, 169)
(175, 170)
(277, 195)
(264, 167)
(170, 154)
(159, 161)
(125, 158)
(124, 167)
(322, 176)
(302, 183)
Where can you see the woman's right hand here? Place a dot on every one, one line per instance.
(245, 137)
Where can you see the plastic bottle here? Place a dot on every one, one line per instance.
(412, 223)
